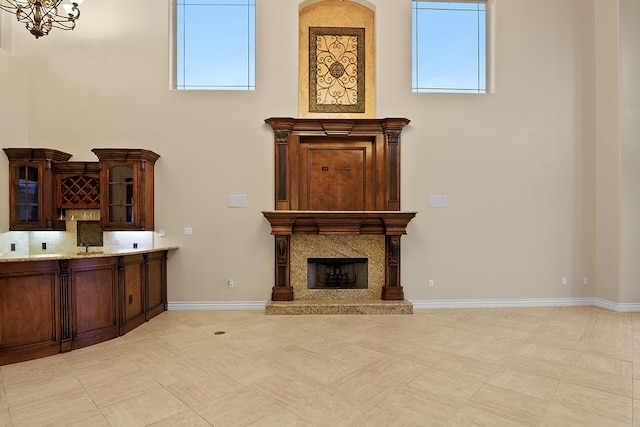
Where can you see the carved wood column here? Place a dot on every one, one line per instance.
(392, 129)
(65, 306)
(392, 289)
(122, 305)
(281, 129)
(282, 291)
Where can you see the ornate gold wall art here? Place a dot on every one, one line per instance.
(336, 70)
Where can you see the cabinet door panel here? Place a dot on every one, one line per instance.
(23, 298)
(132, 282)
(336, 180)
(156, 283)
(133, 290)
(335, 176)
(31, 187)
(92, 286)
(126, 179)
(29, 310)
(95, 300)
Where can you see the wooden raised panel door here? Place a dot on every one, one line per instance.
(335, 176)
(156, 263)
(29, 310)
(133, 286)
(336, 179)
(95, 300)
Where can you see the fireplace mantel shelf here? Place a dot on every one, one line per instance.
(287, 222)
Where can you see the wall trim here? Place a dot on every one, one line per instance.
(617, 306)
(419, 304)
(216, 305)
(528, 302)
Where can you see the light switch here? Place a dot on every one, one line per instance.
(237, 201)
(438, 201)
(188, 231)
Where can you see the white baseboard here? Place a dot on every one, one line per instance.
(217, 305)
(617, 306)
(527, 302)
(418, 304)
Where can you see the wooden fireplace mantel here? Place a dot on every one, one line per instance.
(390, 223)
(337, 176)
(284, 223)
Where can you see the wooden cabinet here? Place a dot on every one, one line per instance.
(127, 186)
(31, 187)
(143, 288)
(29, 310)
(77, 185)
(42, 183)
(48, 307)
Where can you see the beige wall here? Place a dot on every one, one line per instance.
(518, 166)
(14, 112)
(630, 149)
(607, 149)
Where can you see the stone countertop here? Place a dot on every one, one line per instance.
(58, 256)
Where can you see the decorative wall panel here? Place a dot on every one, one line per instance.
(336, 70)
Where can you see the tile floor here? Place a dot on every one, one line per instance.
(552, 366)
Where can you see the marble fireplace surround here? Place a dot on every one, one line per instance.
(304, 246)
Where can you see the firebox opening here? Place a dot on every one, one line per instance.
(337, 273)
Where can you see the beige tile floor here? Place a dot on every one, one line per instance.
(555, 366)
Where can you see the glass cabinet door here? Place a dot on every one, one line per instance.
(121, 194)
(126, 188)
(26, 190)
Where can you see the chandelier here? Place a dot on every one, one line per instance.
(40, 16)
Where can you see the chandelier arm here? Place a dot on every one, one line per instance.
(10, 6)
(40, 16)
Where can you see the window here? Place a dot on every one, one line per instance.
(215, 44)
(449, 46)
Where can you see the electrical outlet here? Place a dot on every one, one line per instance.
(230, 283)
(430, 283)
(585, 280)
(564, 280)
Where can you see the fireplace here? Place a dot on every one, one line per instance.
(337, 196)
(337, 273)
